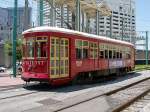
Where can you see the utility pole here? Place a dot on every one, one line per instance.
(122, 29)
(62, 14)
(52, 16)
(111, 26)
(146, 41)
(97, 22)
(83, 20)
(26, 17)
(14, 36)
(41, 12)
(77, 24)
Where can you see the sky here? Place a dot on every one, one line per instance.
(143, 15)
(142, 12)
(143, 18)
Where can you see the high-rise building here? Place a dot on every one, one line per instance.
(122, 21)
(20, 18)
(120, 25)
(6, 22)
(6, 29)
(3, 24)
(62, 15)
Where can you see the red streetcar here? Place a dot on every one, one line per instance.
(59, 56)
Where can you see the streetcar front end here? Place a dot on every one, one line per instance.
(35, 58)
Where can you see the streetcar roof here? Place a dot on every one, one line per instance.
(68, 31)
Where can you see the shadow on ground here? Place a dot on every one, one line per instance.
(69, 88)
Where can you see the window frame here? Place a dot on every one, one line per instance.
(40, 40)
(93, 50)
(81, 48)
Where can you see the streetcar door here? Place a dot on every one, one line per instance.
(59, 57)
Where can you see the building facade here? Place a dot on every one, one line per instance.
(120, 25)
(3, 24)
(6, 29)
(122, 21)
(6, 22)
(20, 19)
(62, 15)
(140, 57)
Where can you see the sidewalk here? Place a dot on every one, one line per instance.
(7, 80)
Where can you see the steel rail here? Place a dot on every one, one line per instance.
(106, 94)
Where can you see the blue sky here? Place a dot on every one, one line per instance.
(142, 12)
(143, 15)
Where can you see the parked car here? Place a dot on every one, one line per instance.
(2, 69)
(19, 68)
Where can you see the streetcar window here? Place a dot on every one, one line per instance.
(121, 55)
(66, 51)
(117, 55)
(66, 67)
(52, 50)
(85, 46)
(41, 49)
(85, 53)
(106, 54)
(78, 43)
(110, 54)
(93, 50)
(30, 48)
(95, 53)
(101, 54)
(114, 54)
(78, 49)
(78, 53)
(82, 49)
(85, 43)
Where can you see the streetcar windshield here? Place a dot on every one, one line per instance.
(40, 47)
(30, 48)
(35, 47)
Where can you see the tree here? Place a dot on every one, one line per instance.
(8, 49)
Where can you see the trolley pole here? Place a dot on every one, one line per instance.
(146, 41)
(14, 36)
(41, 12)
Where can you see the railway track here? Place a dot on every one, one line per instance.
(24, 94)
(18, 90)
(120, 98)
(138, 105)
(5, 88)
(124, 98)
(14, 87)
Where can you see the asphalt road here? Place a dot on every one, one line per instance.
(37, 98)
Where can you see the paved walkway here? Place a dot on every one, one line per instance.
(6, 80)
(146, 108)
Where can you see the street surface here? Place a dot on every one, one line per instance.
(16, 97)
